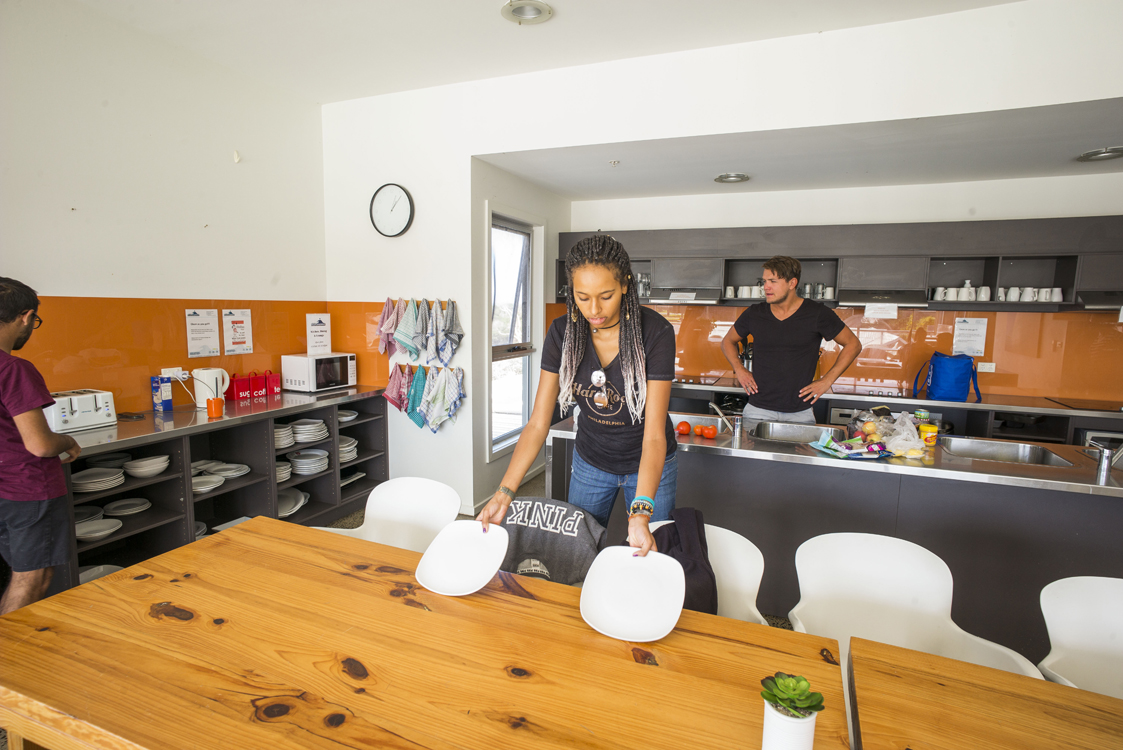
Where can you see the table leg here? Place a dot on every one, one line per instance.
(16, 742)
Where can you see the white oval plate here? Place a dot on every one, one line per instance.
(87, 513)
(637, 599)
(90, 531)
(96, 475)
(127, 506)
(462, 558)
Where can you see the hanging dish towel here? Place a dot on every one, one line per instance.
(393, 392)
(416, 391)
(392, 322)
(430, 397)
(406, 383)
(453, 334)
(435, 403)
(386, 325)
(456, 391)
(421, 332)
(436, 333)
(407, 327)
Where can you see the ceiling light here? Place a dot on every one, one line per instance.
(732, 177)
(526, 12)
(1101, 154)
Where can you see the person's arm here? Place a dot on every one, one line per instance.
(531, 440)
(851, 348)
(40, 441)
(729, 349)
(651, 461)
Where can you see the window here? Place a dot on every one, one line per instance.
(510, 330)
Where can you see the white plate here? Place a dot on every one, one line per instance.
(462, 558)
(205, 463)
(306, 423)
(229, 470)
(89, 573)
(205, 483)
(352, 478)
(307, 454)
(147, 472)
(87, 513)
(126, 506)
(346, 415)
(636, 599)
(90, 531)
(289, 501)
(103, 486)
(200, 529)
(143, 463)
(347, 442)
(96, 475)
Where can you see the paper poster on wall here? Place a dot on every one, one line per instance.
(237, 332)
(319, 333)
(881, 311)
(970, 336)
(202, 333)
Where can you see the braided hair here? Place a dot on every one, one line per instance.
(602, 250)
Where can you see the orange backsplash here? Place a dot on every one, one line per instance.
(1063, 355)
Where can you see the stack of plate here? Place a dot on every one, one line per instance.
(94, 480)
(284, 470)
(200, 529)
(109, 460)
(147, 467)
(290, 500)
(310, 461)
(88, 573)
(309, 430)
(346, 415)
(348, 449)
(227, 471)
(344, 480)
(91, 531)
(87, 513)
(282, 436)
(205, 483)
(198, 467)
(127, 506)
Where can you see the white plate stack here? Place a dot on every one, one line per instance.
(345, 415)
(205, 483)
(284, 470)
(351, 478)
(97, 479)
(91, 531)
(227, 471)
(309, 461)
(143, 468)
(87, 513)
(348, 449)
(290, 500)
(282, 436)
(198, 467)
(127, 506)
(309, 430)
(109, 460)
(200, 529)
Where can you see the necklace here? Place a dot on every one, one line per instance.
(605, 328)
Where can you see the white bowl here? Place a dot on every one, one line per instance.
(147, 472)
(91, 531)
(144, 463)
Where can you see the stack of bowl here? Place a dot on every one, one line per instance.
(142, 468)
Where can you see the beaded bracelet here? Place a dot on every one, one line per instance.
(642, 506)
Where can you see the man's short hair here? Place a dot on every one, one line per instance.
(784, 267)
(16, 298)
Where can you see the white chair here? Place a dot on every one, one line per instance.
(887, 590)
(738, 566)
(406, 512)
(1084, 616)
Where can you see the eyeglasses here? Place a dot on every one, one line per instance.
(38, 321)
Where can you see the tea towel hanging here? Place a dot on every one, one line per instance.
(416, 391)
(393, 392)
(407, 326)
(386, 325)
(436, 332)
(453, 334)
(421, 332)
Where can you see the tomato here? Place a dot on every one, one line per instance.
(709, 432)
(683, 428)
(697, 429)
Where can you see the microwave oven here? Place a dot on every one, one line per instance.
(318, 372)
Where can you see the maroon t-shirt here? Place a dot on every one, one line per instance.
(22, 475)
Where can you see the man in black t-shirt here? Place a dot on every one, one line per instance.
(787, 332)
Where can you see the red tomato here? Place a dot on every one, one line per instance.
(683, 428)
(697, 429)
(709, 432)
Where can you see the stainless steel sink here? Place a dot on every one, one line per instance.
(1001, 450)
(795, 432)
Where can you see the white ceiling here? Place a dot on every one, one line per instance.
(333, 50)
(1033, 142)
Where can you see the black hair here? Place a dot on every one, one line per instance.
(16, 298)
(602, 250)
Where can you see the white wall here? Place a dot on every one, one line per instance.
(1028, 54)
(117, 173)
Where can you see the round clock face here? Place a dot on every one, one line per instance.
(391, 210)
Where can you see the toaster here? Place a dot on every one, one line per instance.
(83, 409)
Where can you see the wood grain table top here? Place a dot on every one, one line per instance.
(273, 635)
(909, 699)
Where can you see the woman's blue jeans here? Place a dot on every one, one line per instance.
(594, 490)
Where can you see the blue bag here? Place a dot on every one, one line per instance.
(949, 378)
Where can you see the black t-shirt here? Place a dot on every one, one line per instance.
(606, 437)
(785, 351)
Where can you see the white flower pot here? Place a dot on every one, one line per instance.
(783, 732)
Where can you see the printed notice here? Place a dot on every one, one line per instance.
(970, 336)
(237, 332)
(202, 333)
(881, 311)
(319, 333)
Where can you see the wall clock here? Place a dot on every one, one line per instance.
(391, 210)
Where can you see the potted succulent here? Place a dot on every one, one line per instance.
(790, 709)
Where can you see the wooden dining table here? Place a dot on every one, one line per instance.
(908, 699)
(273, 635)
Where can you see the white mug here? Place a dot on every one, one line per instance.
(968, 294)
(951, 294)
(1014, 295)
(828, 292)
(729, 292)
(1045, 294)
(1029, 294)
(1001, 294)
(938, 293)
(757, 292)
(1058, 294)
(984, 294)
(743, 291)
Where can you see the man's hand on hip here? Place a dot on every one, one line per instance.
(747, 381)
(813, 392)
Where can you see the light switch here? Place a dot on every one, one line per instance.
(986, 367)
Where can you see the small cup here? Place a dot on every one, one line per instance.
(951, 294)
(743, 292)
(938, 293)
(1029, 294)
(1001, 294)
(968, 294)
(1045, 294)
(1058, 294)
(819, 291)
(215, 407)
(729, 292)
(1014, 295)
(984, 294)
(828, 292)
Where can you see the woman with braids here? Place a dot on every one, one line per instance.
(615, 360)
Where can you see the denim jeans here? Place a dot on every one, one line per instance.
(594, 490)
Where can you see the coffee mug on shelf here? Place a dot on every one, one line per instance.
(1045, 294)
(968, 294)
(938, 293)
(984, 294)
(1058, 294)
(1001, 294)
(756, 292)
(828, 292)
(1014, 295)
(729, 292)
(743, 292)
(1029, 294)
(951, 294)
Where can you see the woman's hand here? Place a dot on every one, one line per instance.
(495, 509)
(639, 535)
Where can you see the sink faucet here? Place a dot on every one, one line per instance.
(721, 414)
(1108, 457)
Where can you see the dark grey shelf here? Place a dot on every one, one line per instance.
(135, 524)
(360, 420)
(296, 479)
(301, 446)
(363, 456)
(131, 483)
(230, 485)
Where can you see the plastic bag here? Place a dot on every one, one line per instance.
(905, 440)
(870, 427)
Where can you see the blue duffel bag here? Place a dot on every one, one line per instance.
(949, 378)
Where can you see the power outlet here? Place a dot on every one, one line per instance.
(175, 373)
(986, 367)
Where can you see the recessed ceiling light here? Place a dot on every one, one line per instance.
(525, 12)
(732, 177)
(1101, 154)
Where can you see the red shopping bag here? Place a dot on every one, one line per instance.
(239, 388)
(272, 383)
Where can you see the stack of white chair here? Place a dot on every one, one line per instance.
(738, 567)
(406, 512)
(1084, 616)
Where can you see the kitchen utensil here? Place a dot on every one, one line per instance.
(1001, 294)
(1029, 294)
(828, 292)
(1058, 294)
(729, 292)
(938, 293)
(210, 382)
(636, 599)
(215, 407)
(984, 294)
(951, 294)
(81, 409)
(1014, 295)
(807, 291)
(819, 291)
(462, 558)
(1045, 294)
(970, 292)
(743, 292)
